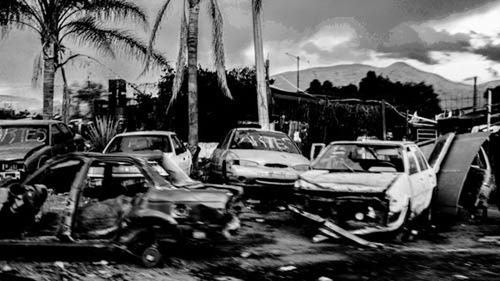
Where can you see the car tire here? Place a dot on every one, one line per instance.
(403, 233)
(151, 256)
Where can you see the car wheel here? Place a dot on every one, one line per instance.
(404, 233)
(151, 256)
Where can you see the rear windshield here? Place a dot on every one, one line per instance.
(263, 140)
(23, 135)
(140, 143)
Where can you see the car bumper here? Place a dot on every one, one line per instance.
(257, 176)
(16, 175)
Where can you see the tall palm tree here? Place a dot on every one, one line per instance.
(189, 47)
(80, 21)
(262, 99)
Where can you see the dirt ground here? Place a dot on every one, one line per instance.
(276, 246)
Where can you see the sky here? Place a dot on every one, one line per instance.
(453, 38)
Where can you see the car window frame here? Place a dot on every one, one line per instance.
(173, 140)
(409, 155)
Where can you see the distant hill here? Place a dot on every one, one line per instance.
(451, 93)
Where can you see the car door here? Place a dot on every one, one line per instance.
(182, 155)
(417, 182)
(217, 158)
(428, 175)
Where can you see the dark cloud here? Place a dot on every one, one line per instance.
(416, 42)
(489, 51)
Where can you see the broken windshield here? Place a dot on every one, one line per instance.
(263, 140)
(360, 158)
(140, 143)
(23, 135)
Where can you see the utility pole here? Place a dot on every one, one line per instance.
(489, 110)
(298, 70)
(262, 99)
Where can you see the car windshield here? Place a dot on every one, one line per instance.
(263, 140)
(23, 135)
(360, 158)
(140, 143)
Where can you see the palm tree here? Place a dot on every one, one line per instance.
(80, 21)
(189, 47)
(262, 99)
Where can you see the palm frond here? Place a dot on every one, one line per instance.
(154, 31)
(218, 46)
(116, 10)
(102, 131)
(181, 61)
(87, 32)
(257, 5)
(37, 71)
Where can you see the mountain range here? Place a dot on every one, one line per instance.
(452, 94)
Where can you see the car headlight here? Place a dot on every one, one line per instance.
(301, 167)
(180, 211)
(247, 163)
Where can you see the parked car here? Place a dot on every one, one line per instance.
(26, 145)
(253, 157)
(368, 186)
(101, 205)
(148, 143)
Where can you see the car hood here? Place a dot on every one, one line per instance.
(346, 182)
(265, 157)
(216, 199)
(16, 152)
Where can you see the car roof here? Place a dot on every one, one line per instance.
(256, 129)
(28, 122)
(376, 142)
(147, 133)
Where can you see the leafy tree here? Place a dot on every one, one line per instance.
(315, 87)
(81, 21)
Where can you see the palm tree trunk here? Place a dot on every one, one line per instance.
(262, 100)
(49, 73)
(192, 46)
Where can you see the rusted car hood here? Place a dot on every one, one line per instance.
(266, 156)
(212, 198)
(346, 182)
(18, 152)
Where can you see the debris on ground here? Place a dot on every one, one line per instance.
(490, 239)
(324, 278)
(287, 268)
(461, 277)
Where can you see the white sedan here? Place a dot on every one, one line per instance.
(146, 144)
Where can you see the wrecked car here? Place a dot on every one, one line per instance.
(252, 157)
(26, 145)
(115, 201)
(368, 187)
(146, 144)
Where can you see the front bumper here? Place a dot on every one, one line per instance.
(12, 174)
(261, 176)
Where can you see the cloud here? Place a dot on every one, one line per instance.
(418, 41)
(489, 51)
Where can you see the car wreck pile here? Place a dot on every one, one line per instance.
(137, 196)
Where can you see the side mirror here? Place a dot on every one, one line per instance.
(316, 149)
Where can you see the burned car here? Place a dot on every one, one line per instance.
(252, 157)
(368, 187)
(115, 201)
(25, 145)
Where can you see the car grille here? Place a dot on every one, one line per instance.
(276, 165)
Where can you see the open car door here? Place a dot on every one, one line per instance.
(451, 157)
